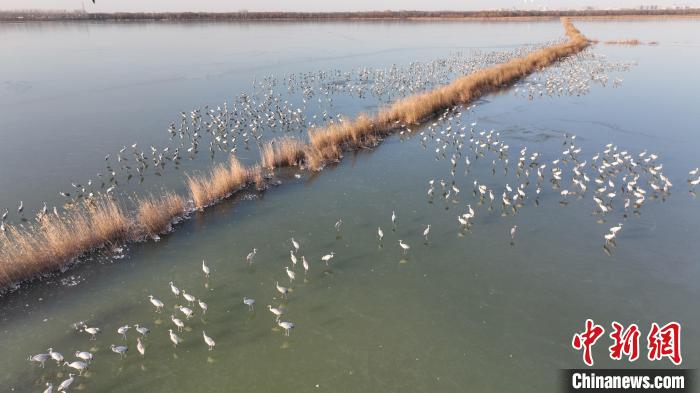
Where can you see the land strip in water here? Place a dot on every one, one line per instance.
(55, 240)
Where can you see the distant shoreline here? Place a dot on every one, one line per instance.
(37, 16)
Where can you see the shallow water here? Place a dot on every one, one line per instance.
(465, 311)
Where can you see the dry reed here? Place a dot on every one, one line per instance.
(282, 152)
(155, 214)
(219, 183)
(31, 249)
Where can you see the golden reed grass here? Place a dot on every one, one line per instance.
(51, 242)
(222, 181)
(155, 214)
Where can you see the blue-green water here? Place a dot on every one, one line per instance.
(464, 311)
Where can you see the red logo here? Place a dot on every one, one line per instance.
(662, 342)
(665, 342)
(586, 339)
(626, 342)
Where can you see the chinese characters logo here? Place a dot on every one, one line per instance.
(662, 342)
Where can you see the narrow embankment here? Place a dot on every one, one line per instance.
(630, 41)
(54, 240)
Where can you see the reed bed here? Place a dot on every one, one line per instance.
(219, 183)
(282, 152)
(155, 214)
(52, 241)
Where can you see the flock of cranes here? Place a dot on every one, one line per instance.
(295, 103)
(84, 359)
(614, 179)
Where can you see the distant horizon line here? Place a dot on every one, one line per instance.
(85, 15)
(241, 11)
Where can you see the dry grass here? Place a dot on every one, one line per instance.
(282, 152)
(28, 250)
(256, 176)
(219, 183)
(155, 214)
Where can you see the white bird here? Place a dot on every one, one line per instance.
(187, 311)
(380, 233)
(304, 264)
(205, 269)
(39, 358)
(293, 257)
(203, 306)
(277, 311)
(142, 330)
(174, 289)
(178, 322)
(249, 302)
(55, 356)
(49, 388)
(174, 338)
(512, 232)
(615, 230)
(120, 349)
(84, 355)
(77, 365)
(250, 256)
(393, 218)
(65, 384)
(338, 224)
(281, 289)
(140, 347)
(190, 299)
(404, 246)
(122, 331)
(208, 340)
(326, 258)
(286, 325)
(291, 274)
(462, 221)
(426, 232)
(295, 244)
(92, 331)
(156, 303)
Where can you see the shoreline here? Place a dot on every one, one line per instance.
(79, 16)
